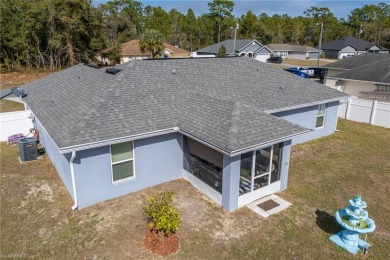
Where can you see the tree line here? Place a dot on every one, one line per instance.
(51, 34)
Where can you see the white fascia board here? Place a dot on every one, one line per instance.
(271, 111)
(118, 140)
(268, 143)
(177, 130)
(357, 80)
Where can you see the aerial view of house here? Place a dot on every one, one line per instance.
(222, 124)
(364, 76)
(131, 50)
(251, 48)
(216, 129)
(350, 46)
(294, 51)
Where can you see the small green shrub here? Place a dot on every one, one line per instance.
(161, 214)
(222, 52)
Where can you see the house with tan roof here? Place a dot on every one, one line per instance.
(294, 51)
(131, 50)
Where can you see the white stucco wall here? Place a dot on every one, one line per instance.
(354, 87)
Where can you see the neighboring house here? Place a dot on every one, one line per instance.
(368, 81)
(131, 50)
(225, 125)
(250, 48)
(348, 46)
(350, 63)
(294, 51)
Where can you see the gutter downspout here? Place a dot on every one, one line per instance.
(75, 206)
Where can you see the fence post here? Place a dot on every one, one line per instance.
(373, 110)
(348, 108)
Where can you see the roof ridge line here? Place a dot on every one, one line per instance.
(85, 119)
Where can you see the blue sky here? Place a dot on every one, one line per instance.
(341, 9)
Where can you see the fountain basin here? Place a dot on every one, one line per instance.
(366, 225)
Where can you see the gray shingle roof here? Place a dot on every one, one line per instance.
(378, 71)
(348, 41)
(228, 44)
(225, 102)
(357, 61)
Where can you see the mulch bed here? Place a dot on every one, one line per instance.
(153, 243)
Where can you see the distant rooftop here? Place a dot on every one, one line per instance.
(377, 71)
(240, 44)
(132, 48)
(357, 61)
(349, 41)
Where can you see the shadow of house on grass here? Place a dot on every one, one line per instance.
(327, 222)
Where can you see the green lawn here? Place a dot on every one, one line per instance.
(36, 219)
(10, 106)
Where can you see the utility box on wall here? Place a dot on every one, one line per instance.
(28, 149)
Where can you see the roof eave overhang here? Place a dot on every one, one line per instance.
(222, 150)
(80, 147)
(358, 80)
(268, 143)
(271, 111)
(232, 153)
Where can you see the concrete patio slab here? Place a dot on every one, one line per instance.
(283, 204)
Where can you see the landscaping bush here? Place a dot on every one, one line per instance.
(222, 52)
(161, 214)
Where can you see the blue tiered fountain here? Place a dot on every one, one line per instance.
(354, 219)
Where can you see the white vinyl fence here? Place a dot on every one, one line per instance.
(366, 111)
(14, 123)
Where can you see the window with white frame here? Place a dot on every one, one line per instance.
(320, 115)
(122, 161)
